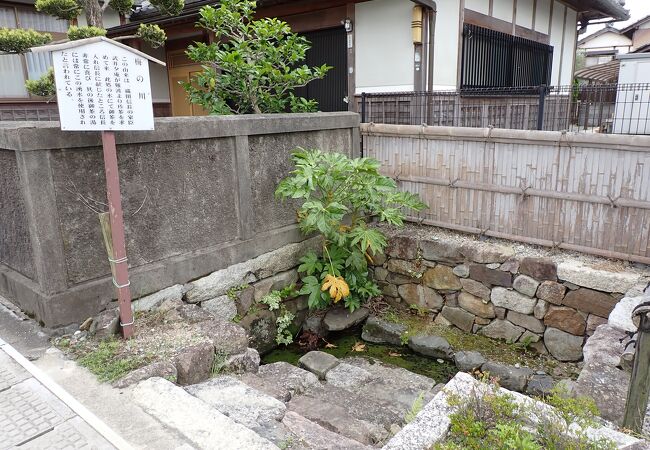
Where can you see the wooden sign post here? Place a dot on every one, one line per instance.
(103, 85)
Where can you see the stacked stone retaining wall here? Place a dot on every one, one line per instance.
(489, 289)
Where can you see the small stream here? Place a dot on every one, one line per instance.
(347, 343)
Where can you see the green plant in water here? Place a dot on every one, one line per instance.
(404, 338)
(340, 196)
(416, 407)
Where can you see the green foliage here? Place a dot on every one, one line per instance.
(19, 40)
(416, 407)
(490, 419)
(169, 7)
(219, 363)
(284, 317)
(63, 9)
(44, 86)
(121, 6)
(283, 322)
(340, 195)
(253, 64)
(75, 33)
(152, 34)
(233, 291)
(105, 363)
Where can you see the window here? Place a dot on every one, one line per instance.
(15, 69)
(492, 59)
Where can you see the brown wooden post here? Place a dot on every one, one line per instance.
(637, 394)
(119, 261)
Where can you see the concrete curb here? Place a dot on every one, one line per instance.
(80, 410)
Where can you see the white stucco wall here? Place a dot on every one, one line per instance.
(502, 9)
(477, 5)
(557, 25)
(569, 53)
(525, 14)
(542, 15)
(384, 46)
(446, 44)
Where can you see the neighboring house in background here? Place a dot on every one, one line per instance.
(603, 46)
(401, 45)
(396, 45)
(15, 102)
(607, 43)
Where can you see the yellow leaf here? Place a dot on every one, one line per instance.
(337, 287)
(330, 345)
(359, 347)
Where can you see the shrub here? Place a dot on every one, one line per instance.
(75, 33)
(44, 86)
(340, 196)
(19, 41)
(253, 64)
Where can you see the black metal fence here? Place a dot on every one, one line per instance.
(616, 108)
(493, 59)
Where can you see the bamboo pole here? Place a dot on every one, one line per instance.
(105, 224)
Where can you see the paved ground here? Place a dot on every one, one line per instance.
(32, 417)
(113, 408)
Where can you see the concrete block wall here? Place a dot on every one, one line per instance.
(487, 288)
(197, 196)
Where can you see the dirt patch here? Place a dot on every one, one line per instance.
(158, 337)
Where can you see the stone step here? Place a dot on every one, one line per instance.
(397, 387)
(281, 380)
(357, 417)
(314, 437)
(247, 406)
(199, 423)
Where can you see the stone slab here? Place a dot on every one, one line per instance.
(200, 424)
(601, 280)
(316, 437)
(239, 401)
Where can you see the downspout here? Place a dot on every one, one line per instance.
(431, 9)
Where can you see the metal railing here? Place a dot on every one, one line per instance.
(615, 108)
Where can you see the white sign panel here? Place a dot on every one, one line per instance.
(101, 86)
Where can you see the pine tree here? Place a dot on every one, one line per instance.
(17, 41)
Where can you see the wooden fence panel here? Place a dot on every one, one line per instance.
(584, 192)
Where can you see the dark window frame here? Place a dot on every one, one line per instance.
(492, 60)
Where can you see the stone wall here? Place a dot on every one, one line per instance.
(489, 289)
(197, 196)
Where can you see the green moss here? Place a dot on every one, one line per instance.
(492, 349)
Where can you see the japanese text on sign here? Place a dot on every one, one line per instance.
(102, 87)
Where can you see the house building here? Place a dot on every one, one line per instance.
(15, 102)
(607, 43)
(403, 45)
(396, 45)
